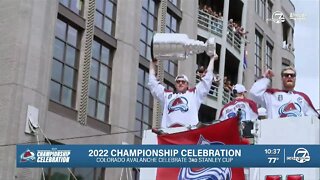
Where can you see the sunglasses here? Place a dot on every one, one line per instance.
(289, 74)
(179, 81)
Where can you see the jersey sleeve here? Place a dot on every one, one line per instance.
(258, 91)
(203, 87)
(156, 89)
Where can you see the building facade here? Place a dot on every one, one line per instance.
(83, 65)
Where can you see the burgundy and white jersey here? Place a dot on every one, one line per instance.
(180, 108)
(247, 107)
(280, 103)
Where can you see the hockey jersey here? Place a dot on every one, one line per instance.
(280, 103)
(180, 108)
(246, 107)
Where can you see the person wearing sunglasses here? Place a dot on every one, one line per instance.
(181, 106)
(285, 102)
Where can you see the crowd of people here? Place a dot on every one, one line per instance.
(208, 9)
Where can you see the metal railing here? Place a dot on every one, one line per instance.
(213, 92)
(234, 39)
(210, 23)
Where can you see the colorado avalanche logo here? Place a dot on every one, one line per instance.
(27, 156)
(290, 110)
(178, 104)
(205, 173)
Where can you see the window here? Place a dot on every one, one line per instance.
(148, 26)
(269, 49)
(100, 82)
(74, 5)
(269, 9)
(171, 27)
(174, 2)
(64, 65)
(144, 103)
(104, 16)
(260, 6)
(258, 53)
(80, 173)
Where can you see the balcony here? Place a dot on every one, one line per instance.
(214, 25)
(213, 94)
(234, 39)
(210, 23)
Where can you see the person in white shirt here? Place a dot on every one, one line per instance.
(240, 104)
(285, 102)
(180, 107)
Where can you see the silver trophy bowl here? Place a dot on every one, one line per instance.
(175, 46)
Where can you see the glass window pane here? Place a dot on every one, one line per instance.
(172, 68)
(138, 128)
(70, 56)
(140, 76)
(139, 111)
(168, 17)
(174, 24)
(101, 111)
(109, 9)
(99, 5)
(145, 114)
(150, 35)
(55, 91)
(102, 92)
(105, 54)
(93, 85)
(91, 107)
(146, 79)
(60, 29)
(98, 18)
(75, 6)
(145, 126)
(145, 3)
(146, 99)
(66, 96)
(148, 53)
(151, 6)
(142, 49)
(96, 50)
(72, 36)
(150, 21)
(56, 70)
(140, 93)
(84, 173)
(64, 2)
(59, 174)
(107, 27)
(144, 17)
(143, 33)
(68, 76)
(58, 49)
(103, 73)
(98, 174)
(94, 68)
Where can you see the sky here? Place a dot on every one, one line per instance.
(306, 44)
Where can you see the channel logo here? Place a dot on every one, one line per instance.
(301, 155)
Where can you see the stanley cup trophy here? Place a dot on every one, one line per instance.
(172, 46)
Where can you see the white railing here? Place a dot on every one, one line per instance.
(234, 39)
(226, 97)
(213, 92)
(210, 23)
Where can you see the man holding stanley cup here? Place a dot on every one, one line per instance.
(181, 106)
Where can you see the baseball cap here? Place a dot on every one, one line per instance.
(182, 77)
(239, 88)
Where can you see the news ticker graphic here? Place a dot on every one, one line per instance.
(168, 156)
